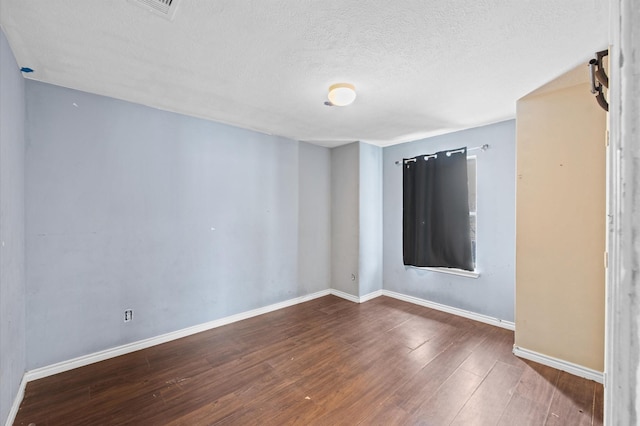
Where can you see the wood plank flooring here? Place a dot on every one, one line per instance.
(324, 362)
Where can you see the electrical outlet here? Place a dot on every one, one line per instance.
(128, 315)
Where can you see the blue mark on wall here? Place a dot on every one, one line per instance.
(26, 69)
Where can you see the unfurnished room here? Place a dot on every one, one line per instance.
(319, 213)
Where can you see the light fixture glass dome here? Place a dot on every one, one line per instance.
(342, 94)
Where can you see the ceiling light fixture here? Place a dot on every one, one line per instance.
(342, 94)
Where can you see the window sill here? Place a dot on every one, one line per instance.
(454, 271)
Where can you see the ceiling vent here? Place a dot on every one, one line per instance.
(164, 8)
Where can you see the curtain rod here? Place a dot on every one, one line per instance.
(482, 148)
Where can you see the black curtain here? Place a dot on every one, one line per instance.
(436, 211)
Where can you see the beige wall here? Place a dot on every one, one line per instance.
(560, 222)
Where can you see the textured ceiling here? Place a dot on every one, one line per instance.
(420, 67)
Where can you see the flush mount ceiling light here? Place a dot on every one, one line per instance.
(342, 94)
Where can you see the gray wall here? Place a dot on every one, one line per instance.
(345, 221)
(187, 221)
(314, 223)
(181, 219)
(370, 262)
(12, 239)
(492, 293)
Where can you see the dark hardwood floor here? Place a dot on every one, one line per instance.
(324, 362)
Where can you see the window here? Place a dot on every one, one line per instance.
(471, 175)
(436, 214)
(473, 202)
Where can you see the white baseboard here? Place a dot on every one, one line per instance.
(17, 401)
(370, 296)
(569, 367)
(356, 299)
(451, 310)
(81, 361)
(343, 295)
(84, 360)
(428, 304)
(146, 343)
